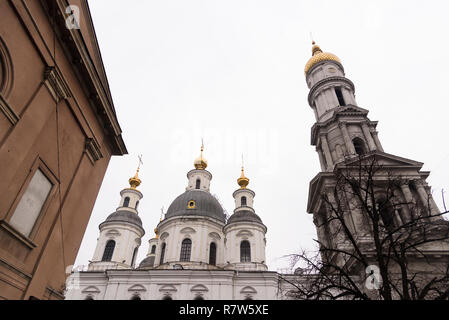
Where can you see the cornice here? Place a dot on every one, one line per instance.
(76, 50)
(325, 81)
(342, 112)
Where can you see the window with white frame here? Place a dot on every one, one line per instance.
(31, 203)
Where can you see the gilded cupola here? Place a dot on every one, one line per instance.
(317, 56)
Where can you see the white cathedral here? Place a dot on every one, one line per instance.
(197, 253)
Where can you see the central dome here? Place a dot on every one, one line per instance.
(196, 203)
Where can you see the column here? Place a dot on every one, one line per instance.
(348, 143)
(335, 224)
(410, 202)
(423, 196)
(377, 141)
(368, 137)
(321, 233)
(322, 161)
(431, 203)
(327, 153)
(348, 96)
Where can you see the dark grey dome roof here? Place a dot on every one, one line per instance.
(205, 205)
(244, 216)
(147, 262)
(125, 216)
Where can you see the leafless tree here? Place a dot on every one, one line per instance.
(374, 244)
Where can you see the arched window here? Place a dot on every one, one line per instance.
(133, 260)
(108, 250)
(198, 184)
(137, 204)
(243, 201)
(135, 297)
(186, 247)
(153, 249)
(212, 254)
(126, 202)
(245, 251)
(167, 297)
(198, 297)
(89, 298)
(161, 261)
(339, 94)
(386, 213)
(359, 146)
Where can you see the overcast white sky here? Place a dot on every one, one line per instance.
(232, 73)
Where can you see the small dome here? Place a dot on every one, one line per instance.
(244, 216)
(124, 216)
(198, 203)
(318, 56)
(134, 182)
(243, 181)
(147, 262)
(200, 163)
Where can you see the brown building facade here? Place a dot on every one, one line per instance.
(58, 131)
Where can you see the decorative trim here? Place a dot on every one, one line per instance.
(55, 83)
(11, 230)
(53, 292)
(187, 230)
(8, 74)
(137, 288)
(92, 149)
(167, 288)
(199, 288)
(322, 82)
(91, 290)
(8, 111)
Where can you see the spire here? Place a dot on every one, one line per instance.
(200, 163)
(134, 182)
(243, 181)
(315, 48)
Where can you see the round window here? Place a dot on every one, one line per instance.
(191, 204)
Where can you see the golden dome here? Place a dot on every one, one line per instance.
(318, 56)
(200, 163)
(134, 182)
(243, 181)
(156, 231)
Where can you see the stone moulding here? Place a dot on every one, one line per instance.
(93, 150)
(8, 111)
(55, 83)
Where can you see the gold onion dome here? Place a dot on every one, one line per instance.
(200, 163)
(134, 182)
(318, 56)
(243, 181)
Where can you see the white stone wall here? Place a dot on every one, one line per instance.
(201, 230)
(134, 197)
(203, 175)
(239, 193)
(255, 234)
(126, 236)
(178, 284)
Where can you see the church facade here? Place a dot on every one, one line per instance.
(199, 254)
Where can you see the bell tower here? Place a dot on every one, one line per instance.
(343, 135)
(342, 128)
(121, 232)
